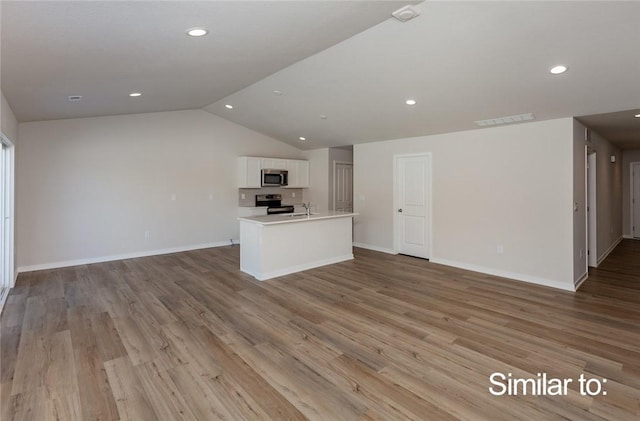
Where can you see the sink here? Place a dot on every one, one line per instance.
(300, 214)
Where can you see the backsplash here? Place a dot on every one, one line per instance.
(289, 196)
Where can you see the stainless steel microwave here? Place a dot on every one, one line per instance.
(275, 178)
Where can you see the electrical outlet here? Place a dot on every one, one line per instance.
(173, 196)
(500, 249)
(242, 196)
(293, 194)
(210, 197)
(147, 235)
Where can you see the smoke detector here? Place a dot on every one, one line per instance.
(405, 14)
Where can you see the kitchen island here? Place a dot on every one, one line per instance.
(276, 245)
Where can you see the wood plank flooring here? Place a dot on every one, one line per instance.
(187, 336)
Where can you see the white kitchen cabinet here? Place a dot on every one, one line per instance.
(274, 163)
(249, 172)
(298, 173)
(250, 176)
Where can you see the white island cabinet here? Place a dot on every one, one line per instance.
(277, 245)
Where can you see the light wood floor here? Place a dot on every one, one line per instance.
(187, 336)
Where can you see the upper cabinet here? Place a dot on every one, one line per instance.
(274, 164)
(249, 175)
(249, 172)
(298, 173)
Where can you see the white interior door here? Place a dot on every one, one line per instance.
(635, 199)
(343, 187)
(412, 193)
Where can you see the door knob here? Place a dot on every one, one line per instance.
(400, 210)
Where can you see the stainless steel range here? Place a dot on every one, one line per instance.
(273, 202)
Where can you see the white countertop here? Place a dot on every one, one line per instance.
(285, 219)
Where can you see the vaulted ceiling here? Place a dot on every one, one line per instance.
(333, 72)
(104, 50)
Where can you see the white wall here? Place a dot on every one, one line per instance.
(627, 158)
(9, 124)
(336, 155)
(318, 191)
(580, 269)
(608, 191)
(89, 188)
(510, 185)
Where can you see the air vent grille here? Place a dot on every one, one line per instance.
(505, 120)
(74, 98)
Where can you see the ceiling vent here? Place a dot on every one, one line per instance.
(505, 120)
(405, 13)
(74, 98)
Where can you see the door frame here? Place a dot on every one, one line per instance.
(631, 198)
(333, 193)
(396, 199)
(591, 217)
(8, 277)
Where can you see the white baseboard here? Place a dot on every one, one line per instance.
(579, 281)
(374, 248)
(608, 251)
(505, 274)
(298, 268)
(91, 260)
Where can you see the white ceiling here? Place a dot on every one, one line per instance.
(619, 126)
(349, 61)
(103, 50)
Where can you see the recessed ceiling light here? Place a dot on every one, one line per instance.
(135, 94)
(410, 102)
(197, 32)
(277, 93)
(556, 70)
(229, 106)
(637, 116)
(302, 138)
(323, 117)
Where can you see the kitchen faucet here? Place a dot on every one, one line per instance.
(307, 207)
